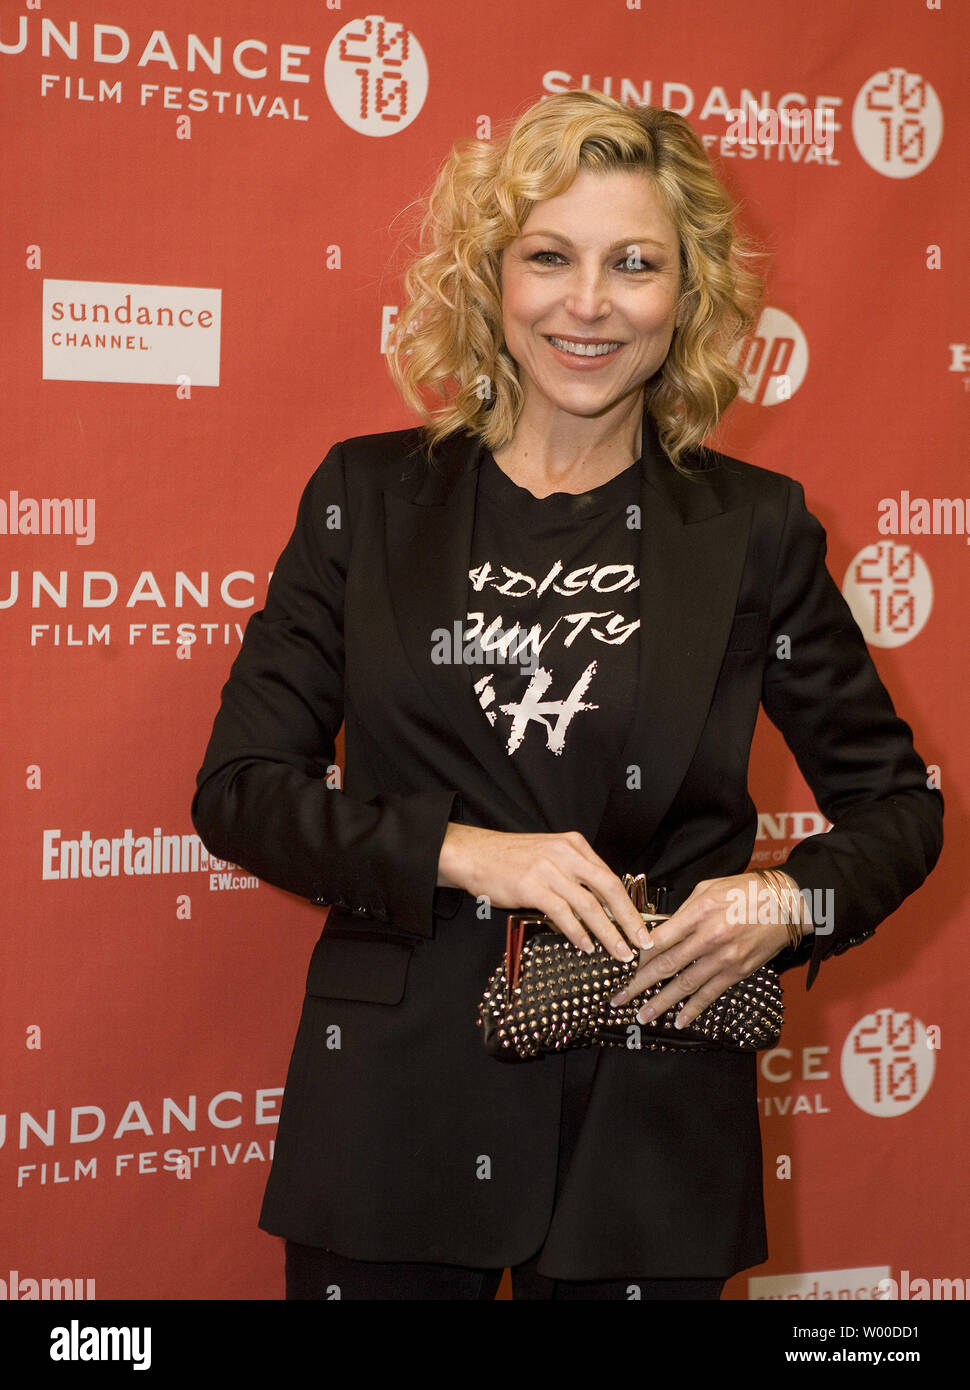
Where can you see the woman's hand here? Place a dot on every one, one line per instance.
(559, 875)
(715, 940)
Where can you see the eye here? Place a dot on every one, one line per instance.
(625, 263)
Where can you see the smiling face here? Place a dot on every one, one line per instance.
(589, 293)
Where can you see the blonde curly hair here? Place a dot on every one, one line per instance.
(449, 336)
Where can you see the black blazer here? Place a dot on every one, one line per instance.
(399, 1138)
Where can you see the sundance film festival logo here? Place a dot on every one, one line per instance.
(785, 126)
(888, 1062)
(169, 1120)
(162, 335)
(889, 589)
(774, 359)
(897, 122)
(376, 75)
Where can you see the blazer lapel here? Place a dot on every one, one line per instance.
(691, 559)
(692, 556)
(428, 537)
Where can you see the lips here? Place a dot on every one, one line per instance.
(585, 349)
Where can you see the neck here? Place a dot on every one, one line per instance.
(566, 453)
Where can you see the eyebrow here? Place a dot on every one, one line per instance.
(617, 245)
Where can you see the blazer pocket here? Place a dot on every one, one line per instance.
(748, 632)
(349, 963)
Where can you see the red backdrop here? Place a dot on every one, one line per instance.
(225, 180)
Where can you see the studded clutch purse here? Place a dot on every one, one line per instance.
(546, 996)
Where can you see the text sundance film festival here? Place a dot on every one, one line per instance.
(374, 70)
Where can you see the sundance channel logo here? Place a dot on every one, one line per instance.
(160, 335)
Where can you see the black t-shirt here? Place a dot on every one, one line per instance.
(553, 589)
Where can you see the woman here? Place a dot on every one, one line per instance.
(577, 308)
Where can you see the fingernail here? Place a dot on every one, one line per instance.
(644, 938)
(620, 998)
(587, 945)
(627, 955)
(645, 1014)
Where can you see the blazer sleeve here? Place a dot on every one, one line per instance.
(263, 798)
(823, 693)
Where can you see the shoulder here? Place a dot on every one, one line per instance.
(731, 476)
(399, 459)
(772, 494)
(383, 455)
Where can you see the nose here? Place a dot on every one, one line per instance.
(587, 294)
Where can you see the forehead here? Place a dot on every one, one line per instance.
(601, 205)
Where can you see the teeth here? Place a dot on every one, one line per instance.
(585, 349)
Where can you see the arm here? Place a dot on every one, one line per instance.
(858, 758)
(853, 750)
(262, 798)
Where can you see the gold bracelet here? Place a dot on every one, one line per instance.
(792, 921)
(792, 900)
(804, 918)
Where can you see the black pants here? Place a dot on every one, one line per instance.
(312, 1273)
(317, 1274)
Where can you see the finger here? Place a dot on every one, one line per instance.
(646, 977)
(695, 912)
(619, 907)
(599, 878)
(702, 998)
(557, 911)
(577, 915)
(687, 986)
(583, 899)
(572, 908)
(616, 905)
(660, 966)
(589, 909)
(685, 929)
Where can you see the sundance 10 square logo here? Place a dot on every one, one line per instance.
(164, 335)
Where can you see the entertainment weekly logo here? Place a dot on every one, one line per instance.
(374, 70)
(135, 856)
(161, 335)
(896, 118)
